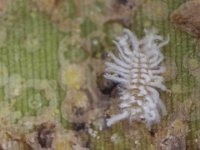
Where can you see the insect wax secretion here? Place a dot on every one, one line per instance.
(138, 70)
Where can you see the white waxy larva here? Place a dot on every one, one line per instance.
(138, 70)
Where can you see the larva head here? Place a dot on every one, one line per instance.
(152, 42)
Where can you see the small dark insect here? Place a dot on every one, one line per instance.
(152, 132)
(78, 126)
(45, 135)
(123, 2)
(79, 111)
(105, 86)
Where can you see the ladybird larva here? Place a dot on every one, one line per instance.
(138, 70)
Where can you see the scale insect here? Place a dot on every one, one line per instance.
(138, 71)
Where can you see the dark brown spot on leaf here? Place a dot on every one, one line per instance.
(122, 11)
(187, 18)
(45, 135)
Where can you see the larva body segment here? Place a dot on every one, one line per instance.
(138, 71)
